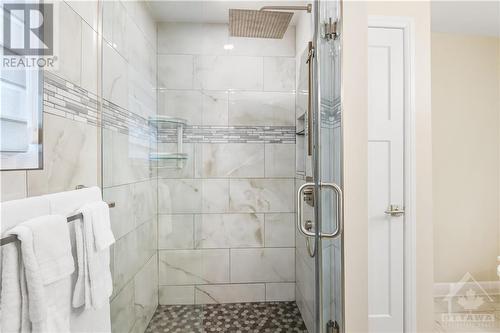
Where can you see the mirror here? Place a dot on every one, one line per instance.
(21, 93)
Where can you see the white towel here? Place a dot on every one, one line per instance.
(47, 265)
(68, 203)
(13, 298)
(93, 237)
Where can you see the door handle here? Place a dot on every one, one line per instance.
(394, 210)
(300, 202)
(339, 223)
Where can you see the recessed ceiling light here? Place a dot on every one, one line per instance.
(228, 46)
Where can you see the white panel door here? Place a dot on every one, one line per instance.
(385, 178)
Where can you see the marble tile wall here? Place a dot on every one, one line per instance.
(73, 138)
(226, 220)
(129, 92)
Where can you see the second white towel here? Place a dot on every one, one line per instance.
(93, 238)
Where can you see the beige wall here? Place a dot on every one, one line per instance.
(355, 122)
(355, 159)
(465, 103)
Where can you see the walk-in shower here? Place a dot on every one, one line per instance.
(236, 105)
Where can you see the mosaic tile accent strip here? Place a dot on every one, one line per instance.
(63, 98)
(121, 120)
(231, 134)
(267, 317)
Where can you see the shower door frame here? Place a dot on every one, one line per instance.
(320, 297)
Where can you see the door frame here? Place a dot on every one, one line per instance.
(406, 25)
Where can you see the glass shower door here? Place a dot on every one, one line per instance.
(328, 167)
(323, 190)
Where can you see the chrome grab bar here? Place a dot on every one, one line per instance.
(339, 225)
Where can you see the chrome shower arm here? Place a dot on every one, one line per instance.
(307, 8)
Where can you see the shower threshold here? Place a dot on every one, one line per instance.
(233, 317)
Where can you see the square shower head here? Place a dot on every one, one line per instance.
(258, 23)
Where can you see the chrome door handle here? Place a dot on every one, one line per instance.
(394, 210)
(339, 223)
(300, 202)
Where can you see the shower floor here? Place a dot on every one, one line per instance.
(234, 317)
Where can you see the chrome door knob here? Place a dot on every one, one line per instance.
(394, 210)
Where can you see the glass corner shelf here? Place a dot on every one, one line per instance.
(167, 121)
(168, 160)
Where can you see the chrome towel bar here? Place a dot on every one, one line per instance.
(13, 238)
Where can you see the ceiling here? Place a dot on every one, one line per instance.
(207, 11)
(467, 17)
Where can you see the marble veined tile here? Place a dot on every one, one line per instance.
(219, 72)
(123, 310)
(184, 267)
(69, 55)
(229, 293)
(130, 159)
(233, 160)
(280, 292)
(70, 157)
(13, 185)
(176, 295)
(280, 160)
(263, 265)
(115, 76)
(279, 74)
(175, 71)
(146, 292)
(179, 38)
(141, 94)
(261, 108)
(176, 231)
(122, 216)
(144, 201)
(87, 10)
(179, 196)
(186, 104)
(116, 26)
(89, 76)
(280, 230)
(215, 107)
(229, 230)
(215, 195)
(191, 167)
(261, 195)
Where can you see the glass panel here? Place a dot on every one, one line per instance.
(329, 166)
(129, 177)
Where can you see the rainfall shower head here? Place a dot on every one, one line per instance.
(264, 23)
